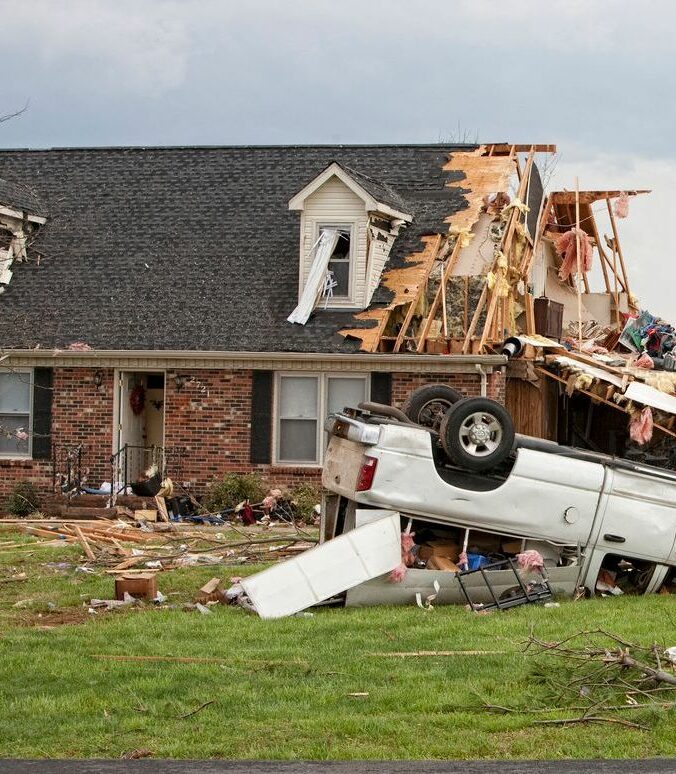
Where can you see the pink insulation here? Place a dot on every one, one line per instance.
(407, 557)
(530, 560)
(621, 208)
(641, 426)
(566, 247)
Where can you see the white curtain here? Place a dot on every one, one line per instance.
(323, 248)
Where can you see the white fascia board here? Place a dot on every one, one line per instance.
(384, 209)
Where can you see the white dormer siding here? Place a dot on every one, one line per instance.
(333, 204)
(336, 200)
(381, 235)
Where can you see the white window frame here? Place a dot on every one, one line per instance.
(322, 400)
(353, 224)
(29, 454)
(319, 226)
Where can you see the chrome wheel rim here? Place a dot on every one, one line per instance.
(480, 434)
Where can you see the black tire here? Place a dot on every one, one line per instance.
(477, 433)
(428, 404)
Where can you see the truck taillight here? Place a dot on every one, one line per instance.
(366, 473)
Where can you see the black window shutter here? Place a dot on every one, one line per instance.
(381, 388)
(261, 417)
(42, 413)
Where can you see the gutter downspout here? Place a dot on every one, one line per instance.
(484, 379)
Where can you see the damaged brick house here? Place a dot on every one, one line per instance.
(146, 309)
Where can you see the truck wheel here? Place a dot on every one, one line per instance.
(477, 433)
(427, 405)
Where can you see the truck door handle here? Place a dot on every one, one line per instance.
(614, 538)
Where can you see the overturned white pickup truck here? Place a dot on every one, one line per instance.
(600, 523)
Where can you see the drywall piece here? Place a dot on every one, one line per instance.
(326, 570)
(649, 396)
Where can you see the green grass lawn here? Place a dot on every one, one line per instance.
(282, 688)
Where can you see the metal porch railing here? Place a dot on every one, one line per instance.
(131, 463)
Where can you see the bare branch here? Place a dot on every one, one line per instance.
(16, 114)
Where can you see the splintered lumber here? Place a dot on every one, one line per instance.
(210, 592)
(440, 295)
(505, 249)
(127, 563)
(87, 548)
(479, 173)
(54, 534)
(414, 301)
(162, 507)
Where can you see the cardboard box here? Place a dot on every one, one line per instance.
(139, 585)
(442, 563)
(511, 546)
(445, 548)
(145, 514)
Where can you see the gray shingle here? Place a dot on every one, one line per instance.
(213, 227)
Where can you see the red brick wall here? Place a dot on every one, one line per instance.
(81, 413)
(467, 384)
(209, 417)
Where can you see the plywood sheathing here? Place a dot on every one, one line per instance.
(483, 174)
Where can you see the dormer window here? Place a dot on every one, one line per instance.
(348, 224)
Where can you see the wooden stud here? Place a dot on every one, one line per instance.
(439, 296)
(618, 248)
(83, 540)
(414, 302)
(580, 273)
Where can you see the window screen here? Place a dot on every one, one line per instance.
(15, 408)
(298, 413)
(340, 261)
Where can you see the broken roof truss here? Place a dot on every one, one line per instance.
(452, 297)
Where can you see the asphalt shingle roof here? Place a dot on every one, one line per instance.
(193, 248)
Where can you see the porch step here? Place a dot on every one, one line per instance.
(91, 506)
(77, 513)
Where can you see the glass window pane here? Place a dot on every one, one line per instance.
(344, 392)
(15, 393)
(9, 426)
(298, 397)
(341, 275)
(298, 440)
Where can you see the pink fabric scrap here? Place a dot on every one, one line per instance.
(641, 426)
(566, 247)
(644, 361)
(530, 560)
(621, 208)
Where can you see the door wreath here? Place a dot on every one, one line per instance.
(137, 399)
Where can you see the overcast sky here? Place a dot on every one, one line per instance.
(596, 77)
